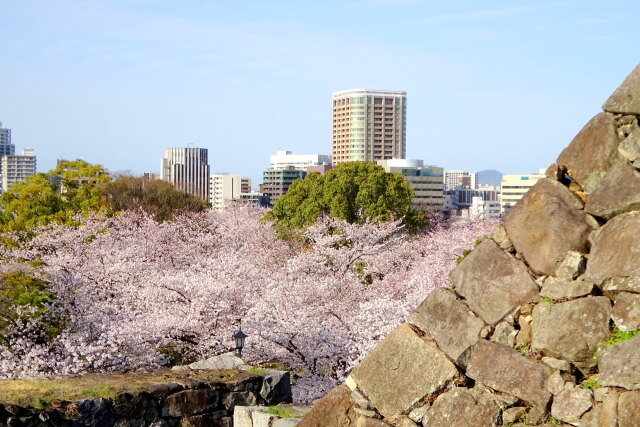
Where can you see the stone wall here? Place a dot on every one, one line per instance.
(532, 328)
(185, 402)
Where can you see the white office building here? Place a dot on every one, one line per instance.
(287, 160)
(223, 189)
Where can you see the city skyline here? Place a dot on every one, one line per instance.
(499, 86)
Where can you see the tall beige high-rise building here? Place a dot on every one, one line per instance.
(368, 125)
(187, 169)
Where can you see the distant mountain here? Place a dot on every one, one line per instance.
(488, 177)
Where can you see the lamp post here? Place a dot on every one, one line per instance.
(239, 337)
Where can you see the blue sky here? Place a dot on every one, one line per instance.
(490, 85)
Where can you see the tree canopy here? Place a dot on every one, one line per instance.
(56, 196)
(156, 197)
(78, 187)
(355, 192)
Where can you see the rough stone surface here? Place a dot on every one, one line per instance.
(572, 330)
(163, 390)
(276, 387)
(417, 414)
(629, 409)
(555, 383)
(240, 398)
(493, 282)
(626, 311)
(511, 415)
(536, 415)
(459, 407)
(602, 415)
(505, 333)
(545, 224)
(360, 400)
(619, 365)
(626, 98)
(262, 419)
(559, 288)
(190, 402)
(616, 252)
(136, 405)
(242, 416)
(286, 422)
(335, 409)
(559, 364)
(591, 152)
(505, 370)
(370, 422)
(222, 361)
(572, 266)
(629, 149)
(95, 412)
(402, 369)
(617, 193)
(571, 403)
(524, 334)
(448, 321)
(403, 421)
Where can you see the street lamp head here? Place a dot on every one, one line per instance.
(239, 337)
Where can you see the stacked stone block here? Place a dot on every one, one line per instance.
(523, 335)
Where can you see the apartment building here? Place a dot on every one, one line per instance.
(368, 125)
(15, 168)
(276, 182)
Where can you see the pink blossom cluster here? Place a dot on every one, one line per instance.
(131, 289)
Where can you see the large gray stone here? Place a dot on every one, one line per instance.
(547, 223)
(626, 311)
(571, 403)
(448, 321)
(506, 370)
(458, 407)
(626, 98)
(615, 254)
(401, 370)
(618, 192)
(493, 282)
(559, 288)
(629, 409)
(591, 152)
(619, 365)
(571, 330)
(221, 361)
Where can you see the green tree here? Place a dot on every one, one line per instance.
(354, 191)
(159, 198)
(79, 182)
(32, 202)
(56, 196)
(23, 299)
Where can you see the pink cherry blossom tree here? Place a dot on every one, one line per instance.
(131, 290)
